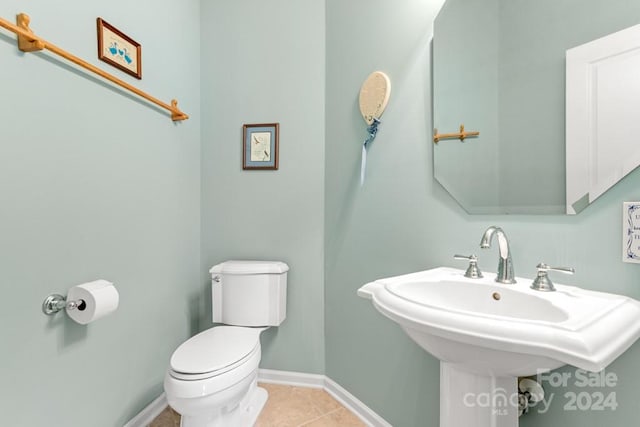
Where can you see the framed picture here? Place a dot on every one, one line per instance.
(117, 49)
(260, 146)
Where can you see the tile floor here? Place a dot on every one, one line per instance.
(289, 407)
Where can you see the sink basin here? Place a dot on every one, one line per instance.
(477, 299)
(486, 334)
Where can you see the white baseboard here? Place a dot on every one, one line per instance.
(298, 379)
(348, 400)
(149, 413)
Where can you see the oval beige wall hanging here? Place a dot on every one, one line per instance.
(374, 97)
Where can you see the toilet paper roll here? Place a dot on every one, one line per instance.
(100, 297)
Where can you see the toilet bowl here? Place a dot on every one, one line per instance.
(212, 377)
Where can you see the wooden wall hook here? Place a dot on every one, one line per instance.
(25, 43)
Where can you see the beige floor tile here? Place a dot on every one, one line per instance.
(167, 418)
(338, 418)
(345, 418)
(322, 400)
(289, 406)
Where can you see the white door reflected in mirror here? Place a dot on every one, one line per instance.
(603, 106)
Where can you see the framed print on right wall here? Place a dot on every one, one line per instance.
(260, 146)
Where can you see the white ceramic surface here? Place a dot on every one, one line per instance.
(486, 334)
(449, 315)
(212, 378)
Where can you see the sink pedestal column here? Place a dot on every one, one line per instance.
(472, 400)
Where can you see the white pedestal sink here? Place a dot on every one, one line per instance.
(486, 334)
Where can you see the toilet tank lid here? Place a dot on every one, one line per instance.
(250, 267)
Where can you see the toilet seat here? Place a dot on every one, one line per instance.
(214, 352)
(219, 372)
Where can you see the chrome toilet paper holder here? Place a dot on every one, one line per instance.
(56, 302)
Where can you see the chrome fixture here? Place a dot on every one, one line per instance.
(56, 302)
(530, 392)
(473, 272)
(505, 265)
(542, 281)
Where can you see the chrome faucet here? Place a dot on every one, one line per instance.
(505, 265)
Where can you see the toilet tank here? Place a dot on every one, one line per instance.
(249, 293)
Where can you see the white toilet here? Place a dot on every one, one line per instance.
(212, 379)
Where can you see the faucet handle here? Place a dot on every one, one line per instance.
(542, 281)
(473, 272)
(544, 267)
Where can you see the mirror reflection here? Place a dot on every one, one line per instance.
(499, 68)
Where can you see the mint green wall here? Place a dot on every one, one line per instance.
(263, 62)
(499, 67)
(96, 184)
(532, 91)
(403, 221)
(467, 67)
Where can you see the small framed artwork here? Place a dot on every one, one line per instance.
(631, 232)
(119, 50)
(260, 146)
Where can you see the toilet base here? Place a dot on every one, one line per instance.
(243, 415)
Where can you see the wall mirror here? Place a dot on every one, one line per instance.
(499, 68)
